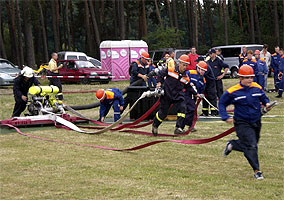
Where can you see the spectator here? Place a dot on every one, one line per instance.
(219, 54)
(53, 71)
(192, 57)
(275, 59)
(267, 58)
(243, 55)
(170, 61)
(262, 68)
(251, 62)
(162, 62)
(152, 79)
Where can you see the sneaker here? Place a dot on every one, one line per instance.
(179, 131)
(278, 96)
(154, 130)
(258, 175)
(228, 149)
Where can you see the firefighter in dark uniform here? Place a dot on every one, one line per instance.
(280, 74)
(53, 71)
(140, 69)
(198, 82)
(275, 59)
(21, 87)
(243, 55)
(174, 80)
(163, 61)
(247, 97)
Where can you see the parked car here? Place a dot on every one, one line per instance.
(8, 71)
(231, 55)
(95, 62)
(157, 55)
(82, 68)
(71, 55)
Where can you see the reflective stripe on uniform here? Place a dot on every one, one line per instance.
(158, 118)
(205, 108)
(181, 115)
(116, 113)
(172, 74)
(183, 80)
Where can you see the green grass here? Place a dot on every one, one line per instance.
(34, 169)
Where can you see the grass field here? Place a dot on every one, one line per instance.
(34, 169)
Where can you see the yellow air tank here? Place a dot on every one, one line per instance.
(42, 90)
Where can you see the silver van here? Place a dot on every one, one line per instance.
(231, 55)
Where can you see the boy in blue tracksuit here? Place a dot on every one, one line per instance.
(246, 97)
(262, 68)
(251, 62)
(152, 80)
(275, 59)
(281, 72)
(110, 97)
(197, 81)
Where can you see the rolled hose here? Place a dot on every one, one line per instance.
(97, 104)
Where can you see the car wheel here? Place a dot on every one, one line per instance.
(234, 73)
(104, 82)
(85, 81)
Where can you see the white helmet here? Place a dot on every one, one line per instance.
(27, 72)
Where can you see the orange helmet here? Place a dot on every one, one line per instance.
(246, 71)
(256, 52)
(184, 58)
(100, 94)
(145, 55)
(202, 65)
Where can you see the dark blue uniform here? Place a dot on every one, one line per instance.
(21, 88)
(262, 70)
(173, 85)
(199, 83)
(247, 118)
(152, 79)
(113, 98)
(242, 56)
(210, 92)
(281, 69)
(253, 64)
(138, 68)
(217, 66)
(275, 60)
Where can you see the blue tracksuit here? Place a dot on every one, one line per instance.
(253, 64)
(113, 98)
(247, 115)
(275, 59)
(152, 79)
(262, 70)
(199, 83)
(281, 69)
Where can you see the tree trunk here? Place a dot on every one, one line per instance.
(170, 13)
(175, 14)
(276, 22)
(247, 16)
(121, 17)
(257, 27)
(95, 25)
(88, 43)
(230, 8)
(29, 45)
(225, 22)
(114, 19)
(54, 26)
(189, 23)
(12, 31)
(2, 47)
(58, 22)
(252, 36)
(72, 26)
(195, 24)
(208, 18)
(144, 20)
(270, 9)
(44, 37)
(20, 39)
(102, 20)
(127, 18)
(240, 14)
(201, 23)
(158, 13)
(67, 24)
(220, 10)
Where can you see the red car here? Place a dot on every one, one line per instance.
(85, 69)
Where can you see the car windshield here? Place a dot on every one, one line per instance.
(95, 62)
(4, 65)
(84, 64)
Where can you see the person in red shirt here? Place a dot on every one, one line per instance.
(192, 57)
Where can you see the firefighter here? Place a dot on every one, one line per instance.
(110, 97)
(197, 81)
(162, 62)
(53, 71)
(243, 55)
(262, 68)
(251, 62)
(217, 66)
(209, 92)
(275, 59)
(280, 75)
(170, 63)
(246, 97)
(140, 69)
(174, 81)
(21, 87)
